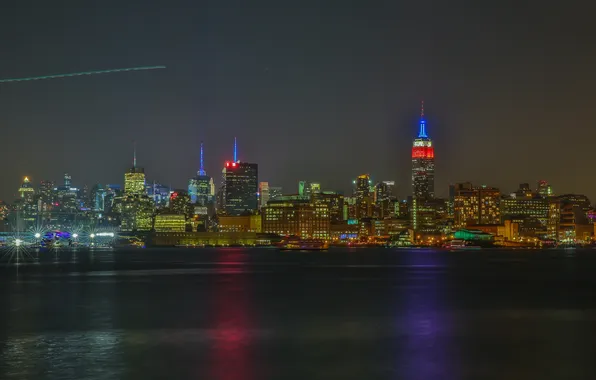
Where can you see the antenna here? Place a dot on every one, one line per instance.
(134, 154)
(235, 151)
(422, 131)
(202, 168)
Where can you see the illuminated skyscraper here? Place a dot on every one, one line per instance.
(364, 196)
(263, 194)
(26, 191)
(423, 163)
(544, 189)
(240, 181)
(240, 186)
(201, 188)
(134, 179)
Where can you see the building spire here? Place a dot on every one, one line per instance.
(235, 151)
(202, 168)
(134, 154)
(422, 131)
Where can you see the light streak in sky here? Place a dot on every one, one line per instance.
(96, 72)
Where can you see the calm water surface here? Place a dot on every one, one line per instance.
(263, 314)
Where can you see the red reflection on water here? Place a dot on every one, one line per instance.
(233, 340)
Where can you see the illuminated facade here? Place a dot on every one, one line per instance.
(170, 223)
(26, 191)
(544, 189)
(136, 213)
(134, 181)
(525, 205)
(476, 205)
(201, 188)
(568, 218)
(247, 223)
(334, 203)
(364, 197)
(240, 181)
(423, 163)
(294, 217)
(263, 194)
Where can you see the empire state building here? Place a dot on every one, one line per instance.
(423, 163)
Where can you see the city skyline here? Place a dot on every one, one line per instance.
(342, 81)
(293, 188)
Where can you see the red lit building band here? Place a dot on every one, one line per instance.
(423, 163)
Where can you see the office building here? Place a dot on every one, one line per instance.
(240, 181)
(476, 205)
(294, 216)
(423, 163)
(201, 188)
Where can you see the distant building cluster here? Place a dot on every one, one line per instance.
(251, 211)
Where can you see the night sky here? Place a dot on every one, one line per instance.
(315, 90)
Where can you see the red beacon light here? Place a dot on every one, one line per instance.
(233, 164)
(227, 164)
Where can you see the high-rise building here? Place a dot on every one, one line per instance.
(364, 196)
(275, 192)
(180, 203)
(544, 189)
(306, 189)
(384, 190)
(528, 209)
(201, 188)
(476, 205)
(334, 202)
(295, 216)
(423, 163)
(240, 181)
(263, 194)
(26, 191)
(134, 179)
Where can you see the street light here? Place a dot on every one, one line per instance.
(75, 235)
(18, 242)
(92, 236)
(37, 235)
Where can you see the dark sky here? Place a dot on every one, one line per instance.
(319, 90)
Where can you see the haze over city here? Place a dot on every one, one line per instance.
(316, 91)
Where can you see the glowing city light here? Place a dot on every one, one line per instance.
(92, 236)
(37, 235)
(18, 242)
(75, 235)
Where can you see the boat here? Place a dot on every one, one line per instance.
(304, 245)
(459, 244)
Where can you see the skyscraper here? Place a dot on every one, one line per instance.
(26, 191)
(423, 163)
(201, 188)
(263, 194)
(240, 186)
(134, 179)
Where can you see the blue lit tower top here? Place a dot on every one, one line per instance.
(202, 167)
(422, 133)
(235, 151)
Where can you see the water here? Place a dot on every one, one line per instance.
(263, 314)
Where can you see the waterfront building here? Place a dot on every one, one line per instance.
(476, 205)
(334, 202)
(294, 216)
(245, 223)
(170, 223)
